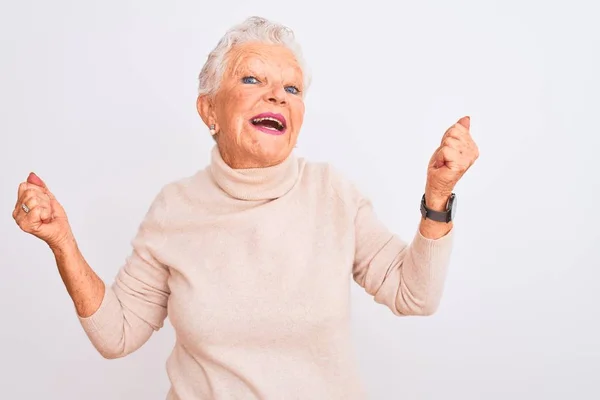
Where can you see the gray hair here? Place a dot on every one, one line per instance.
(253, 29)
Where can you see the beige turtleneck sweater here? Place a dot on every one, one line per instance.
(253, 268)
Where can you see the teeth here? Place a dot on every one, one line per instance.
(257, 120)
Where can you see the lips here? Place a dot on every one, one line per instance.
(271, 123)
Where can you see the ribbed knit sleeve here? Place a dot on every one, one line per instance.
(407, 277)
(135, 304)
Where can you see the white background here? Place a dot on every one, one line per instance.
(99, 100)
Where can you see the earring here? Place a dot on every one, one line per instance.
(212, 129)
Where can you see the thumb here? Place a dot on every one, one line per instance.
(465, 121)
(36, 180)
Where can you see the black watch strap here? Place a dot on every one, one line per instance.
(439, 216)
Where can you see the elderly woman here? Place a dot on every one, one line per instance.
(251, 257)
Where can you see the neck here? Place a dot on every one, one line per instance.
(242, 160)
(247, 181)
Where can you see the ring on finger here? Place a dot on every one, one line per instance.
(25, 208)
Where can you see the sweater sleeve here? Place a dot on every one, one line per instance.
(406, 277)
(135, 305)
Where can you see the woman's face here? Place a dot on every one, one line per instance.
(258, 109)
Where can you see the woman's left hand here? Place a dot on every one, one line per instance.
(456, 154)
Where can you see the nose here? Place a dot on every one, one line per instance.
(276, 95)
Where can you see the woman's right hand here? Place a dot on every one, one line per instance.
(39, 213)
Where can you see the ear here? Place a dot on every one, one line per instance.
(205, 107)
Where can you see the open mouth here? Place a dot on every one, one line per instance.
(269, 122)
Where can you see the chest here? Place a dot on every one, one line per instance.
(262, 272)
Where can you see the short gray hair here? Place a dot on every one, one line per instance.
(253, 29)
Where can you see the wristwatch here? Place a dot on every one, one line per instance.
(440, 216)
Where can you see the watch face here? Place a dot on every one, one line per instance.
(452, 206)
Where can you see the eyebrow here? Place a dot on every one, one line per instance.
(244, 69)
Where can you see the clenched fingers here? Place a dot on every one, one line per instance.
(38, 204)
(454, 143)
(457, 131)
(28, 187)
(459, 137)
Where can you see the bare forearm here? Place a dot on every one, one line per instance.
(83, 285)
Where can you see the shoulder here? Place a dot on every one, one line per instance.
(187, 190)
(175, 194)
(330, 178)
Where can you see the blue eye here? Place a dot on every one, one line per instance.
(249, 80)
(292, 89)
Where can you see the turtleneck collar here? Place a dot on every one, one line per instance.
(254, 183)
